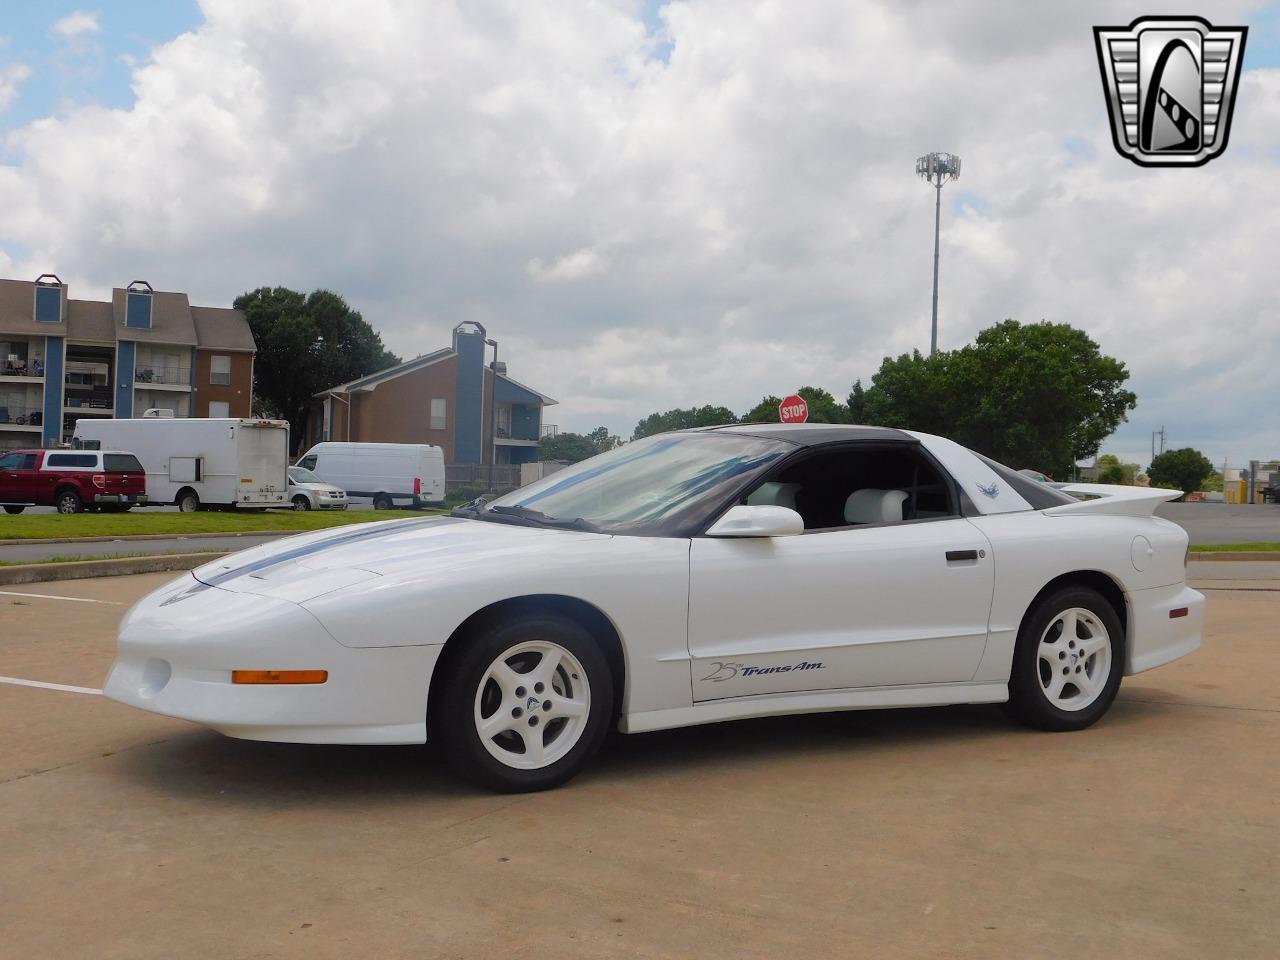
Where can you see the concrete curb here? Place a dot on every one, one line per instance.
(1236, 555)
(121, 567)
(154, 536)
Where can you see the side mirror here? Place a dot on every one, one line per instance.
(758, 521)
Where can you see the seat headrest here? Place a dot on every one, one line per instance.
(874, 506)
(774, 494)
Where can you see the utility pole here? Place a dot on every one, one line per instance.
(937, 169)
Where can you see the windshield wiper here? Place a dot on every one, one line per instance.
(538, 518)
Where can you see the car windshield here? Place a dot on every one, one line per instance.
(302, 475)
(660, 486)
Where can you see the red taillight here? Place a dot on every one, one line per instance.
(1177, 612)
(417, 486)
(100, 481)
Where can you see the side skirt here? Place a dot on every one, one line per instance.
(870, 698)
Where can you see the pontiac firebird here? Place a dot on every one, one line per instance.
(686, 578)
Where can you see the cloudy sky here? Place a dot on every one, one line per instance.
(655, 204)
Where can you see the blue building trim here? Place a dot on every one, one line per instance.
(125, 362)
(137, 312)
(469, 406)
(505, 391)
(54, 354)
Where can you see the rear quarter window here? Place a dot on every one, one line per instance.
(121, 463)
(1041, 496)
(81, 460)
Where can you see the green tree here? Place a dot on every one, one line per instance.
(1213, 482)
(603, 440)
(306, 343)
(1183, 469)
(1039, 395)
(857, 403)
(823, 408)
(569, 447)
(1111, 470)
(682, 419)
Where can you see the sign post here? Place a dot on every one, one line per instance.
(793, 409)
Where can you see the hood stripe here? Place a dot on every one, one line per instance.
(288, 556)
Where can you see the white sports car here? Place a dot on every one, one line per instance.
(690, 577)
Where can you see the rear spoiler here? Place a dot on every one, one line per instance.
(1107, 498)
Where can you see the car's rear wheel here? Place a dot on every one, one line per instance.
(14, 510)
(301, 503)
(382, 502)
(69, 502)
(526, 703)
(1068, 661)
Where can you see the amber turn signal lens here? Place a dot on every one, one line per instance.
(279, 676)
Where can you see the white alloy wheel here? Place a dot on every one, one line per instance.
(532, 705)
(1074, 659)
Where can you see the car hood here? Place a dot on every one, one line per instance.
(307, 566)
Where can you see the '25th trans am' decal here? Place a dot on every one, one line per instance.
(727, 671)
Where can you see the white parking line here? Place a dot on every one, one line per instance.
(50, 596)
(18, 682)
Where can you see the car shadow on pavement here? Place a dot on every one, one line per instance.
(250, 773)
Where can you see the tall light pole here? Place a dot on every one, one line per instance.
(937, 168)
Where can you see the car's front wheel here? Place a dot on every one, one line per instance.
(1068, 661)
(301, 503)
(525, 704)
(14, 510)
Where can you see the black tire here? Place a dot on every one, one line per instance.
(1028, 700)
(453, 717)
(14, 510)
(301, 503)
(188, 501)
(382, 502)
(69, 502)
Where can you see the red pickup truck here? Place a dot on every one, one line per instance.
(71, 480)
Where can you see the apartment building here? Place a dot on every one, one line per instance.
(451, 398)
(62, 359)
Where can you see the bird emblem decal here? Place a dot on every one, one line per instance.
(990, 491)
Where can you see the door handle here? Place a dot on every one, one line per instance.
(955, 556)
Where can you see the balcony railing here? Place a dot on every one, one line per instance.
(549, 430)
(13, 367)
(176, 376)
(11, 414)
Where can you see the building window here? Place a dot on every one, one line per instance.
(219, 409)
(220, 370)
(138, 311)
(49, 304)
(438, 421)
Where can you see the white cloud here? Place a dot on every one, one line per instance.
(738, 220)
(76, 24)
(12, 77)
(572, 266)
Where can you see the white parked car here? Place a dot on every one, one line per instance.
(690, 577)
(308, 492)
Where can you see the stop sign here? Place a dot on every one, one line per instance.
(793, 409)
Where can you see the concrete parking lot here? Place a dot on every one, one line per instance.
(935, 833)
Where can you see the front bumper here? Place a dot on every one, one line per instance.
(178, 646)
(1155, 638)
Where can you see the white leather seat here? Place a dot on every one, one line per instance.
(774, 494)
(874, 506)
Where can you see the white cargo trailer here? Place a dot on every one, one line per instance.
(194, 462)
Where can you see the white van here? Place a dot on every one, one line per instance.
(384, 473)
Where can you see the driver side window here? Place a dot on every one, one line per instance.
(858, 485)
(308, 462)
